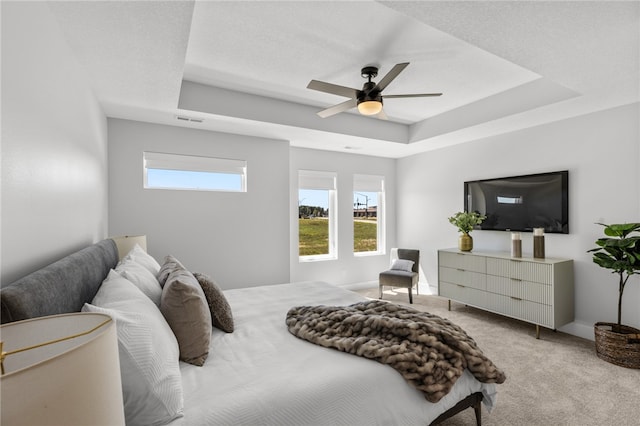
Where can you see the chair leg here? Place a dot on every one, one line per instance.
(410, 296)
(380, 291)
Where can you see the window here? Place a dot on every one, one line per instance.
(317, 227)
(188, 172)
(368, 214)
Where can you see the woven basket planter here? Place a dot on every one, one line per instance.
(621, 347)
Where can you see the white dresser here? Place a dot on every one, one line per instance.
(539, 291)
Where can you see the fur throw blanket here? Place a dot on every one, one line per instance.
(430, 352)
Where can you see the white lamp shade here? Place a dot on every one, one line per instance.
(73, 382)
(126, 242)
(370, 107)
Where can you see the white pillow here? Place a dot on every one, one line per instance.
(143, 258)
(141, 277)
(149, 366)
(402, 265)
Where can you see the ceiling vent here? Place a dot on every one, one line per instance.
(191, 119)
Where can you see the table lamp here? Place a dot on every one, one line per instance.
(125, 243)
(61, 370)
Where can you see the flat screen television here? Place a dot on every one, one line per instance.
(521, 203)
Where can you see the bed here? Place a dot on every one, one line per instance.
(260, 373)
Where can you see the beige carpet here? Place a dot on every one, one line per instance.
(556, 380)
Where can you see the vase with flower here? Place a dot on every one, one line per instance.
(465, 222)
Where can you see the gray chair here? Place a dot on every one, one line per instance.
(396, 277)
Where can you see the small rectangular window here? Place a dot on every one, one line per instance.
(196, 173)
(317, 228)
(368, 214)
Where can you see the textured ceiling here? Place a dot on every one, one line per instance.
(243, 66)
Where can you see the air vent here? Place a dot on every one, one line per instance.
(191, 119)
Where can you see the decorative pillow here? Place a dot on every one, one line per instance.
(141, 278)
(141, 257)
(170, 264)
(184, 306)
(402, 265)
(149, 368)
(221, 315)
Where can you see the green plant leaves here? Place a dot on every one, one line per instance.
(620, 229)
(620, 253)
(465, 221)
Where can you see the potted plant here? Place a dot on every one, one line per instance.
(465, 221)
(619, 251)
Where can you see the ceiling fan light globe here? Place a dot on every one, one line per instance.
(370, 107)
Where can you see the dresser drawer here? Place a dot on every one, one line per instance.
(464, 277)
(527, 290)
(539, 291)
(521, 309)
(461, 293)
(462, 261)
(524, 270)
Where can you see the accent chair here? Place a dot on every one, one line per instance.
(403, 272)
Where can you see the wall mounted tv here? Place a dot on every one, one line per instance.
(521, 203)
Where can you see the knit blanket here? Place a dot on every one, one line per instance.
(430, 352)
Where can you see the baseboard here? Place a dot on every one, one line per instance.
(579, 329)
(423, 288)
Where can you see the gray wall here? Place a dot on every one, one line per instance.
(54, 146)
(601, 152)
(240, 239)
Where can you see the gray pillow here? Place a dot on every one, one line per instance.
(185, 308)
(402, 265)
(169, 265)
(221, 315)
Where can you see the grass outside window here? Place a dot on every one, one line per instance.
(314, 236)
(365, 235)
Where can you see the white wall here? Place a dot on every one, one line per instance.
(54, 146)
(240, 239)
(347, 269)
(601, 152)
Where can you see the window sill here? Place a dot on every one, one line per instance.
(367, 253)
(317, 258)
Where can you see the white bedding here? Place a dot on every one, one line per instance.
(262, 375)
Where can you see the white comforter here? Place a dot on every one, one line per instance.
(262, 375)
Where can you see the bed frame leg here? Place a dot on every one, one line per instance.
(474, 400)
(477, 407)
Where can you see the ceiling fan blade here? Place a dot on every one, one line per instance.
(351, 103)
(333, 89)
(397, 69)
(414, 95)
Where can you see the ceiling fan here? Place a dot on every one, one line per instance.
(369, 99)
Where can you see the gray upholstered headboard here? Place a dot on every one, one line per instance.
(64, 286)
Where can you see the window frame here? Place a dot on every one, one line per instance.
(327, 181)
(193, 163)
(372, 183)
